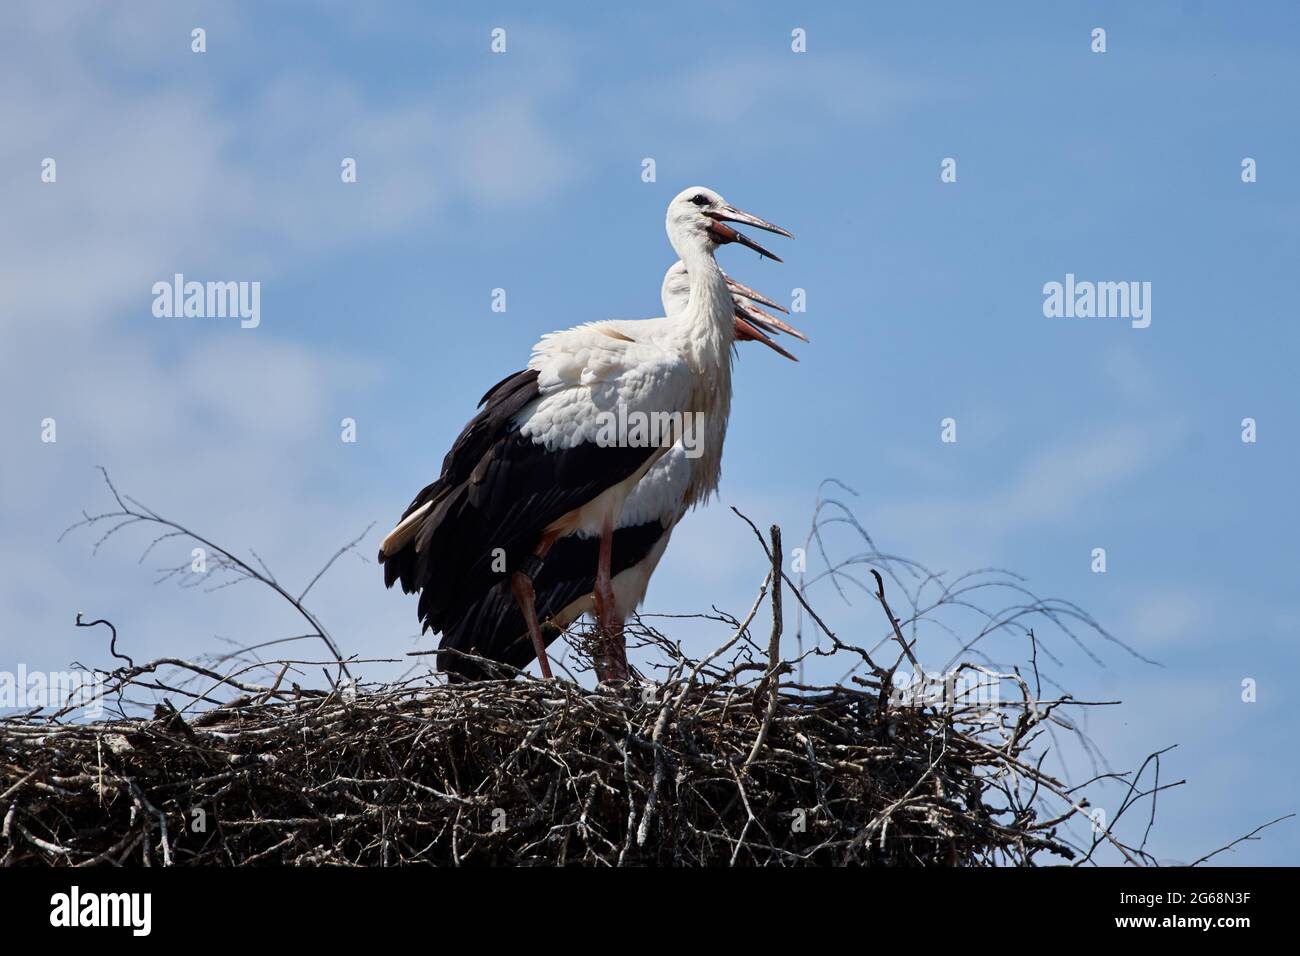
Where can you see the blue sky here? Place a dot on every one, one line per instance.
(523, 171)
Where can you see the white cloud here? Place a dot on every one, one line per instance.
(161, 170)
(1048, 487)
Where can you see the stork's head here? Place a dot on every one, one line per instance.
(676, 290)
(697, 221)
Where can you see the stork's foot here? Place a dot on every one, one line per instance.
(611, 670)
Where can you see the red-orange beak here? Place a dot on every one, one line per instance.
(739, 288)
(724, 233)
(746, 332)
(766, 320)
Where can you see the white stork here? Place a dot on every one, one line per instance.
(563, 588)
(539, 462)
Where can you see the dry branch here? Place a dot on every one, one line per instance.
(730, 759)
(707, 772)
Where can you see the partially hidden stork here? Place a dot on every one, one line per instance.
(564, 587)
(549, 454)
(752, 323)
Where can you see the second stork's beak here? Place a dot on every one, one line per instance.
(739, 288)
(753, 324)
(766, 320)
(724, 233)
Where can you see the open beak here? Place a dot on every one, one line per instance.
(746, 332)
(739, 288)
(724, 233)
(766, 320)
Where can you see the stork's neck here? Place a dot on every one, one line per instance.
(708, 321)
(707, 331)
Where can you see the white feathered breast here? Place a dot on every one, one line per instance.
(587, 373)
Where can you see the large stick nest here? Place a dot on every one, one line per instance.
(523, 772)
(728, 759)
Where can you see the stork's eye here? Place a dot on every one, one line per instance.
(700, 199)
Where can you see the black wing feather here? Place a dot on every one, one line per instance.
(498, 490)
(493, 626)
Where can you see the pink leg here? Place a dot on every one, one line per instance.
(521, 585)
(611, 652)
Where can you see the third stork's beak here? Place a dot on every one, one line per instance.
(724, 233)
(747, 332)
(766, 320)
